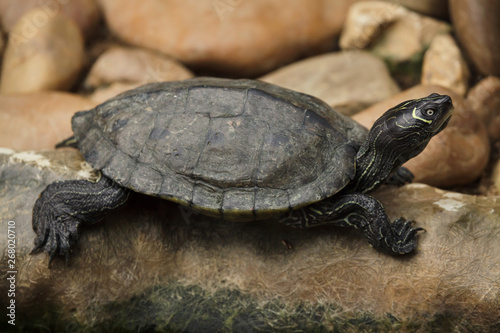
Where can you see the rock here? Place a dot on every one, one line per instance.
(444, 65)
(133, 65)
(476, 27)
(457, 155)
(49, 57)
(389, 30)
(348, 81)
(436, 8)
(236, 37)
(496, 177)
(101, 95)
(39, 120)
(189, 273)
(484, 99)
(85, 13)
(2, 44)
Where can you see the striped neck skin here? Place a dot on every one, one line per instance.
(400, 134)
(382, 154)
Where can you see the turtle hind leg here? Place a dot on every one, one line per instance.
(361, 212)
(63, 206)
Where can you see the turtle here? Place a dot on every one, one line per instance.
(240, 150)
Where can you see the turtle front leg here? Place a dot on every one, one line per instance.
(63, 206)
(361, 212)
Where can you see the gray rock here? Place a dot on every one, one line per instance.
(24, 174)
(152, 266)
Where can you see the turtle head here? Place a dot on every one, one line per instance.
(400, 134)
(416, 120)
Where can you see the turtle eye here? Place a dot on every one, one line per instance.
(429, 112)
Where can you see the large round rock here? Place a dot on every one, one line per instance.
(242, 149)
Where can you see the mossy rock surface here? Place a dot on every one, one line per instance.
(154, 267)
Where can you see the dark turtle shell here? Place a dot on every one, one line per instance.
(243, 149)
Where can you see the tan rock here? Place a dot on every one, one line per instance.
(2, 43)
(348, 81)
(496, 177)
(444, 65)
(38, 120)
(85, 13)
(133, 65)
(436, 8)
(457, 155)
(242, 38)
(484, 99)
(389, 30)
(477, 28)
(102, 94)
(45, 56)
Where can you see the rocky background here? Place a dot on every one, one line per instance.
(155, 267)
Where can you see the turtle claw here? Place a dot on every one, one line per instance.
(39, 242)
(401, 226)
(405, 236)
(55, 236)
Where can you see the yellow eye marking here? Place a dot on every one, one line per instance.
(414, 115)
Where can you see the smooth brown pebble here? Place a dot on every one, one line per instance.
(49, 57)
(349, 81)
(2, 43)
(38, 120)
(445, 66)
(389, 30)
(102, 94)
(85, 13)
(484, 98)
(478, 30)
(242, 38)
(496, 177)
(436, 8)
(134, 65)
(457, 155)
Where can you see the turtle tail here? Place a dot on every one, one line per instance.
(69, 142)
(80, 123)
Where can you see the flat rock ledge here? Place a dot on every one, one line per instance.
(156, 267)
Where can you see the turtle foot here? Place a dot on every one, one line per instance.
(404, 238)
(63, 206)
(54, 222)
(55, 236)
